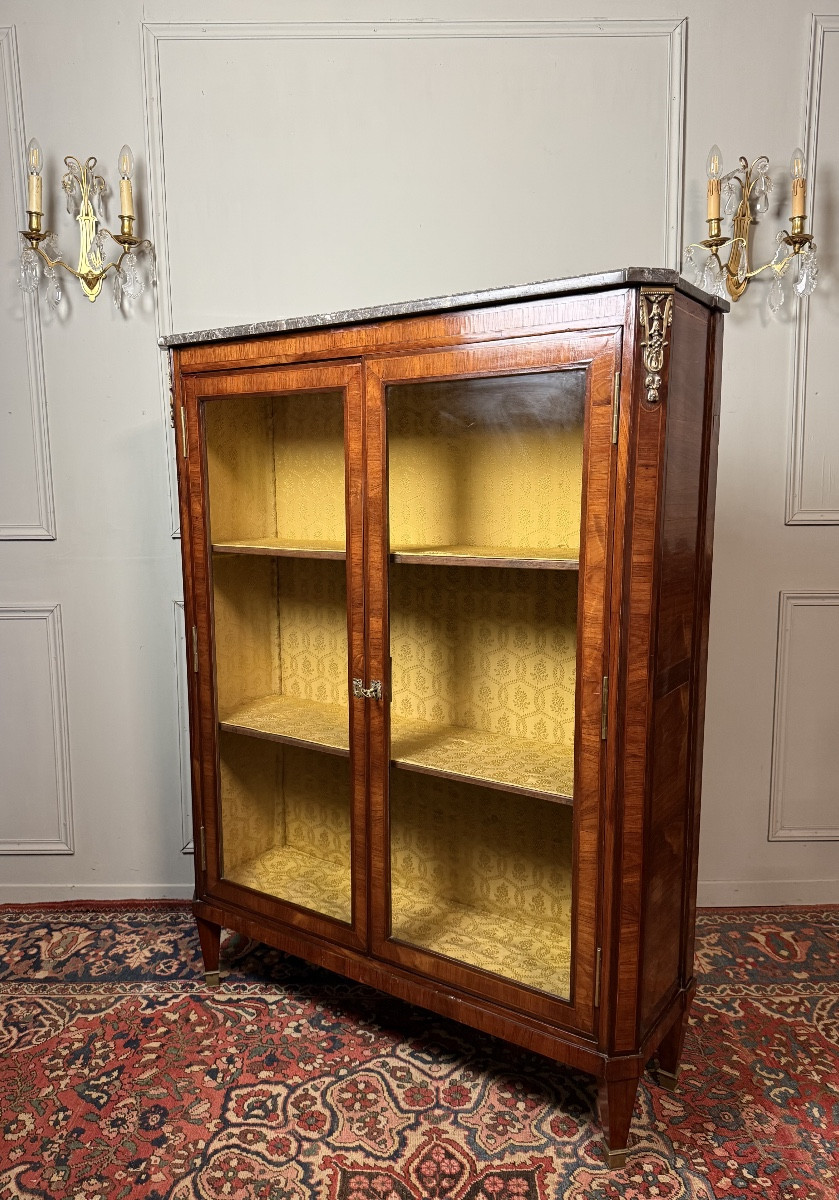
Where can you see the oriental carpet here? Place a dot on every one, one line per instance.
(123, 1076)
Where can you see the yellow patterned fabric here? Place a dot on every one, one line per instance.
(486, 648)
(482, 877)
(285, 814)
(489, 757)
(267, 459)
(280, 628)
(287, 717)
(487, 462)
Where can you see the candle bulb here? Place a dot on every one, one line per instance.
(34, 164)
(714, 168)
(799, 182)
(125, 165)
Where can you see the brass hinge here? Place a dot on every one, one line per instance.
(202, 841)
(616, 408)
(604, 710)
(184, 434)
(598, 971)
(195, 650)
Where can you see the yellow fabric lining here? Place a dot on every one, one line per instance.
(482, 877)
(285, 816)
(487, 462)
(276, 468)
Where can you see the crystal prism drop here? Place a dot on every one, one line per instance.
(117, 289)
(29, 271)
(761, 201)
(53, 288)
(132, 284)
(741, 267)
(776, 294)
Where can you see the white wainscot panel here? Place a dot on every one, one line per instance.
(805, 752)
(26, 506)
(313, 167)
(813, 475)
(35, 792)
(183, 729)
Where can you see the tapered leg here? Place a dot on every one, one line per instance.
(616, 1100)
(209, 935)
(669, 1054)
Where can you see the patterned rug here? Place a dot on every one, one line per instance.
(122, 1076)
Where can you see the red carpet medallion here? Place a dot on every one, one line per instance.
(122, 1076)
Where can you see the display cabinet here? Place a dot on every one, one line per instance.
(447, 573)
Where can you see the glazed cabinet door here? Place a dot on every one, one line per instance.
(491, 475)
(275, 548)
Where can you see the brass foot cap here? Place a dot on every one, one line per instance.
(667, 1079)
(212, 978)
(615, 1159)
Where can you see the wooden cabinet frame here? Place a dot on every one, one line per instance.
(651, 349)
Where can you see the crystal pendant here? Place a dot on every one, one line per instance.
(29, 271)
(97, 192)
(775, 299)
(730, 201)
(714, 282)
(741, 267)
(761, 204)
(132, 284)
(808, 272)
(152, 264)
(117, 289)
(69, 185)
(53, 288)
(51, 248)
(94, 252)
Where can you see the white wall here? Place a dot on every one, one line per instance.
(297, 162)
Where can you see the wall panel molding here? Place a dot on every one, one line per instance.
(672, 32)
(62, 841)
(42, 528)
(784, 825)
(187, 844)
(796, 511)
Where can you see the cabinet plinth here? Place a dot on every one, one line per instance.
(447, 574)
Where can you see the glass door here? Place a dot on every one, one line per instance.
(493, 545)
(289, 833)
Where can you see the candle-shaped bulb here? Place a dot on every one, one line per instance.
(34, 165)
(714, 164)
(714, 169)
(125, 162)
(799, 181)
(34, 157)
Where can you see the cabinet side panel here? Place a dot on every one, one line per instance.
(669, 795)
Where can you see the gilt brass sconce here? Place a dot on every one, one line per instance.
(745, 195)
(84, 191)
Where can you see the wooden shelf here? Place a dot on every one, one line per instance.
(281, 548)
(491, 759)
(537, 956)
(315, 883)
(558, 558)
(555, 558)
(295, 722)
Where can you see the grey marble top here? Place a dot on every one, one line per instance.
(654, 276)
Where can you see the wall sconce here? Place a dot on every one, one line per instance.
(83, 189)
(745, 193)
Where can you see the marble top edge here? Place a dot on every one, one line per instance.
(661, 276)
